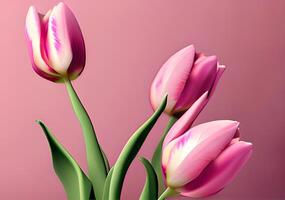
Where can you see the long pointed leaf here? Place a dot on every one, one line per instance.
(106, 161)
(130, 151)
(76, 184)
(150, 190)
(107, 185)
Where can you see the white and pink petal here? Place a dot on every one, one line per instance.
(35, 33)
(195, 149)
(58, 43)
(186, 120)
(219, 172)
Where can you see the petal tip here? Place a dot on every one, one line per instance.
(32, 12)
(236, 123)
(189, 48)
(221, 67)
(31, 9)
(61, 4)
(230, 123)
(247, 145)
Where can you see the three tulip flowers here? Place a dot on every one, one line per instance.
(195, 161)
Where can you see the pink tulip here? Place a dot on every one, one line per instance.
(200, 161)
(185, 77)
(56, 45)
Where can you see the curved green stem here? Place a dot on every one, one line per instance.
(156, 158)
(95, 158)
(167, 193)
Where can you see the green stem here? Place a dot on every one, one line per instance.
(95, 159)
(156, 158)
(167, 193)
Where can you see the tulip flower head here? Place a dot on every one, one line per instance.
(56, 45)
(202, 160)
(185, 77)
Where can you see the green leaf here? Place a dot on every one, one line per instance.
(107, 185)
(106, 161)
(130, 151)
(76, 184)
(150, 190)
(156, 158)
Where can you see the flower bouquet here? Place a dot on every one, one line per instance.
(189, 161)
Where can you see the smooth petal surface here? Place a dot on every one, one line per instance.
(172, 77)
(194, 150)
(182, 125)
(187, 119)
(202, 78)
(65, 44)
(34, 33)
(220, 71)
(219, 172)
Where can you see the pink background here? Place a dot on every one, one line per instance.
(127, 41)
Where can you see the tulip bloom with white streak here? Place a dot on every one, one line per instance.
(185, 77)
(202, 160)
(56, 45)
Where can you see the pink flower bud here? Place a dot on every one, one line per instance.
(185, 77)
(202, 160)
(56, 45)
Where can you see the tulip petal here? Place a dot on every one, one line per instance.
(220, 71)
(64, 39)
(183, 124)
(172, 77)
(194, 150)
(34, 34)
(156, 92)
(219, 172)
(201, 79)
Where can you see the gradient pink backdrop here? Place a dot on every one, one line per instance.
(127, 41)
